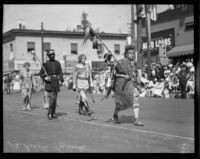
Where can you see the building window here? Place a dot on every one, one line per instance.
(47, 46)
(11, 47)
(30, 46)
(74, 48)
(189, 26)
(117, 48)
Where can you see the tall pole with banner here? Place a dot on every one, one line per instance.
(148, 33)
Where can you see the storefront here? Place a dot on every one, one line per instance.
(181, 53)
(164, 36)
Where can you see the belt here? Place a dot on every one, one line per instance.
(122, 75)
(55, 75)
(83, 78)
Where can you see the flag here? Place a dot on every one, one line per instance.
(140, 12)
(11, 56)
(181, 24)
(154, 12)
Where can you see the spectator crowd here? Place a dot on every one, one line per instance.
(170, 81)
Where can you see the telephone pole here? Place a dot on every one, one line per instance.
(132, 25)
(42, 43)
(148, 33)
(133, 31)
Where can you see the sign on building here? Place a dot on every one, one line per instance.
(162, 50)
(164, 36)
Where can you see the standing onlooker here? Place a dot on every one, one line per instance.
(182, 76)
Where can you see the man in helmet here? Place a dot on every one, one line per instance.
(27, 83)
(82, 83)
(51, 77)
(125, 85)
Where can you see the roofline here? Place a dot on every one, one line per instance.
(11, 34)
(170, 15)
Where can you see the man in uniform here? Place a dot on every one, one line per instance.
(82, 83)
(51, 78)
(125, 85)
(182, 76)
(27, 83)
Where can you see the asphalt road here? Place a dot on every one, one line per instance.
(168, 126)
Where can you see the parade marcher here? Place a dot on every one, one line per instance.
(82, 83)
(182, 76)
(51, 78)
(125, 86)
(27, 83)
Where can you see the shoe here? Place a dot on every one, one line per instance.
(50, 117)
(115, 119)
(80, 112)
(54, 116)
(138, 123)
(28, 108)
(89, 112)
(23, 108)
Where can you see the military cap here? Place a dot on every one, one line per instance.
(26, 64)
(51, 51)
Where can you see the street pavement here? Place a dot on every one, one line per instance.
(168, 126)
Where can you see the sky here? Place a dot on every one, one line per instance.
(109, 18)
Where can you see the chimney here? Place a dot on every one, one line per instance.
(23, 24)
(79, 28)
(20, 24)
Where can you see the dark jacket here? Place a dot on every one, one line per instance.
(52, 68)
(182, 76)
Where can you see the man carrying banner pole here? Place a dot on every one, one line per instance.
(125, 86)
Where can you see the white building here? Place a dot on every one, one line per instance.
(18, 42)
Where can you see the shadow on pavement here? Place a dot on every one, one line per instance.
(122, 119)
(35, 107)
(60, 114)
(126, 119)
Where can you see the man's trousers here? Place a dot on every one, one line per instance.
(52, 96)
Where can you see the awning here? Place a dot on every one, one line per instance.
(181, 50)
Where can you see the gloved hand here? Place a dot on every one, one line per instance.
(47, 78)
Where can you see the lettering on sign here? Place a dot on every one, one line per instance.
(155, 43)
